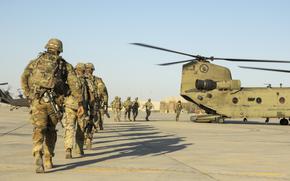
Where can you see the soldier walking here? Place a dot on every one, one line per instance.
(178, 109)
(135, 107)
(76, 119)
(128, 107)
(98, 103)
(117, 107)
(45, 82)
(148, 107)
(101, 95)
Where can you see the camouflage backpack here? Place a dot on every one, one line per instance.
(49, 72)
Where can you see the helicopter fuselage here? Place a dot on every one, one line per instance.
(211, 87)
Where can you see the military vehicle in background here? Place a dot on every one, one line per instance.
(6, 98)
(212, 88)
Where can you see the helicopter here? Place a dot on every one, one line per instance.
(212, 89)
(6, 98)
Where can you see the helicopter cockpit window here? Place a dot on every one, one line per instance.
(282, 100)
(259, 100)
(235, 100)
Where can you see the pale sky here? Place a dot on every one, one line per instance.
(100, 32)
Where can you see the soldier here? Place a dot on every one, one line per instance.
(99, 105)
(73, 118)
(135, 107)
(128, 106)
(178, 109)
(45, 82)
(148, 106)
(117, 107)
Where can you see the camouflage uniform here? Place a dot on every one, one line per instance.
(135, 107)
(72, 119)
(128, 107)
(178, 109)
(99, 104)
(48, 74)
(148, 106)
(117, 107)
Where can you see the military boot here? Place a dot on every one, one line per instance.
(38, 163)
(48, 162)
(68, 154)
(79, 153)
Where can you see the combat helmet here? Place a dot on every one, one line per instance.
(80, 66)
(90, 66)
(54, 44)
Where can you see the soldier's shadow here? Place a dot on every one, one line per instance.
(147, 141)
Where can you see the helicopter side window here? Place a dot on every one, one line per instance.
(259, 100)
(282, 100)
(235, 100)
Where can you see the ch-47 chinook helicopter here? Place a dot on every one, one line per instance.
(212, 88)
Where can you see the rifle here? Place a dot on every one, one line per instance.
(50, 95)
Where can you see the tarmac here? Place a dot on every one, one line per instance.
(157, 150)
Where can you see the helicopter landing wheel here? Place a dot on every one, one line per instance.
(221, 120)
(267, 120)
(284, 121)
(245, 120)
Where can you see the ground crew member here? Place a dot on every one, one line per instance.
(72, 119)
(117, 107)
(45, 82)
(128, 107)
(148, 107)
(178, 109)
(135, 107)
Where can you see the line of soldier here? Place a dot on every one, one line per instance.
(130, 106)
(133, 107)
(58, 91)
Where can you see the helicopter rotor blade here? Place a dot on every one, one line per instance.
(198, 57)
(4, 83)
(178, 62)
(163, 49)
(266, 69)
(251, 60)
